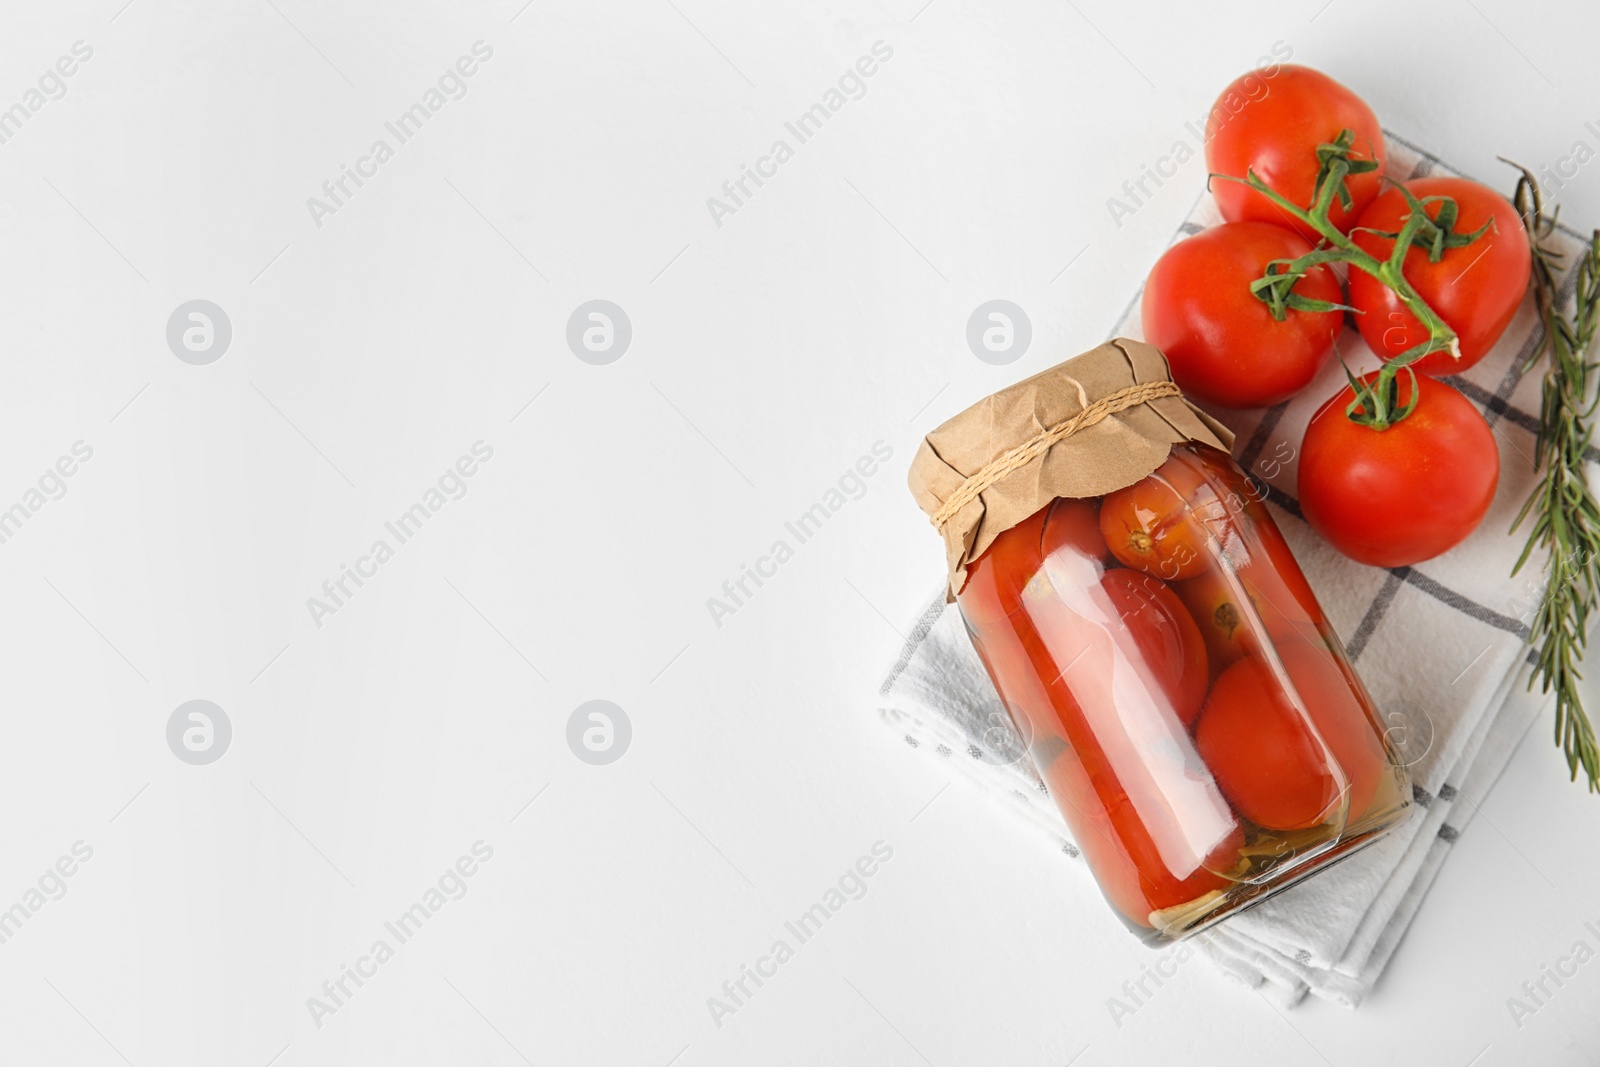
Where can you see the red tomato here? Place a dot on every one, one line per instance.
(1225, 623)
(1074, 524)
(1160, 639)
(995, 579)
(1265, 760)
(1475, 289)
(1223, 344)
(1125, 672)
(1102, 673)
(1256, 593)
(993, 589)
(1273, 127)
(1120, 848)
(1232, 508)
(1280, 571)
(1398, 496)
(1234, 621)
(1149, 526)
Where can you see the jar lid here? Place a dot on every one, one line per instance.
(1094, 424)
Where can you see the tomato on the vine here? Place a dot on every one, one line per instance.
(1222, 342)
(1276, 135)
(1406, 493)
(1475, 288)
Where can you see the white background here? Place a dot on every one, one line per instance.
(768, 354)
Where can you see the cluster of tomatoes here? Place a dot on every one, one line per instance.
(1388, 488)
(1175, 602)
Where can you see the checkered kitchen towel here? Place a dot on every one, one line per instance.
(1442, 646)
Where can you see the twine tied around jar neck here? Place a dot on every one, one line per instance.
(1033, 448)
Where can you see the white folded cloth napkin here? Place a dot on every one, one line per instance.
(1442, 647)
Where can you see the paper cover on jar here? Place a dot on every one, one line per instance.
(1094, 424)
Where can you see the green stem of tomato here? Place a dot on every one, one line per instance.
(1441, 338)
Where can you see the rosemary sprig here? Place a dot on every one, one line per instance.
(1566, 517)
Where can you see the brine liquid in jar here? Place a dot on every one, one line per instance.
(1181, 693)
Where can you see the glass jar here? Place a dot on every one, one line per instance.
(1181, 693)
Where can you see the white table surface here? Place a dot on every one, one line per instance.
(768, 353)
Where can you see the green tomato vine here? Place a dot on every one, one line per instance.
(1377, 403)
